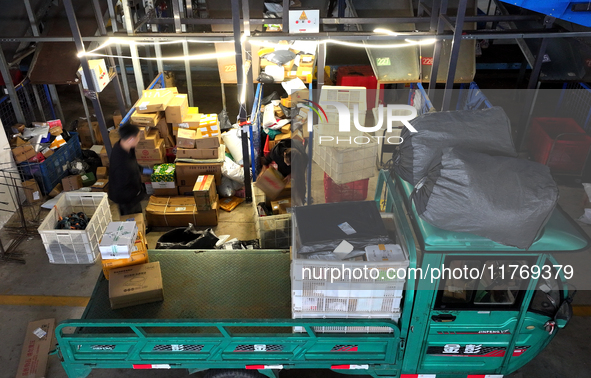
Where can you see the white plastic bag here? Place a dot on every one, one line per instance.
(269, 116)
(233, 171)
(226, 188)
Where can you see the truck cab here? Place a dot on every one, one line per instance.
(479, 308)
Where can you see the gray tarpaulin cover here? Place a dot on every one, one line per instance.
(505, 199)
(487, 130)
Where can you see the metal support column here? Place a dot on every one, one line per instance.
(439, 7)
(158, 52)
(137, 67)
(86, 112)
(32, 18)
(249, 80)
(188, 73)
(115, 81)
(86, 69)
(119, 53)
(38, 101)
(285, 17)
(148, 52)
(241, 81)
(455, 52)
(56, 101)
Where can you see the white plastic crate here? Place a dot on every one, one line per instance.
(394, 317)
(348, 96)
(328, 135)
(273, 231)
(345, 165)
(74, 246)
(332, 117)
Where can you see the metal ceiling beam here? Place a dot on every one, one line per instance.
(345, 36)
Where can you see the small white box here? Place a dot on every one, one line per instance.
(385, 252)
(163, 184)
(99, 72)
(118, 240)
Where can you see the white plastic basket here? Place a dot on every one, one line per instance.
(395, 317)
(345, 165)
(273, 231)
(74, 246)
(332, 117)
(348, 96)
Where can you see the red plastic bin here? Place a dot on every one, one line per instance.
(359, 76)
(559, 143)
(350, 191)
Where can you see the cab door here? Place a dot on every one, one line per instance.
(537, 329)
(472, 321)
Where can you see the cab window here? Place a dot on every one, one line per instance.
(548, 296)
(483, 284)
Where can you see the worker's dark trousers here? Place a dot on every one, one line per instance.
(126, 209)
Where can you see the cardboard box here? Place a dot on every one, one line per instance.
(177, 109)
(206, 142)
(271, 182)
(139, 222)
(186, 138)
(56, 190)
(118, 240)
(72, 182)
(31, 189)
(23, 153)
(151, 153)
(282, 136)
(286, 101)
(154, 100)
(134, 285)
(114, 136)
(209, 153)
(101, 185)
(84, 134)
(101, 173)
(187, 173)
(306, 61)
(139, 255)
(150, 140)
(185, 190)
(281, 206)
(104, 157)
(164, 128)
(47, 152)
(146, 119)
(191, 122)
(165, 174)
(168, 192)
(35, 351)
(117, 118)
(204, 192)
(178, 212)
(99, 75)
(211, 123)
(305, 74)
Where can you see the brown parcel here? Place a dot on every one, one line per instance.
(204, 192)
(150, 140)
(72, 183)
(271, 182)
(101, 173)
(31, 189)
(281, 206)
(186, 138)
(190, 121)
(117, 118)
(204, 142)
(156, 153)
(187, 173)
(134, 285)
(139, 255)
(178, 212)
(104, 157)
(145, 120)
(177, 109)
(155, 100)
(208, 153)
(84, 134)
(185, 190)
(101, 185)
(23, 153)
(166, 192)
(35, 351)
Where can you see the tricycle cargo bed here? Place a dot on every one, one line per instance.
(215, 284)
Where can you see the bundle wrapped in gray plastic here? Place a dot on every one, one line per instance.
(487, 131)
(505, 199)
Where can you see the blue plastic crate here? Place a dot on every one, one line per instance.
(50, 172)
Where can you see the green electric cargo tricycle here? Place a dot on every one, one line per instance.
(229, 312)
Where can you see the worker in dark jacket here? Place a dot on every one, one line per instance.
(125, 184)
(290, 157)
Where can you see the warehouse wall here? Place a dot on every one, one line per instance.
(6, 193)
